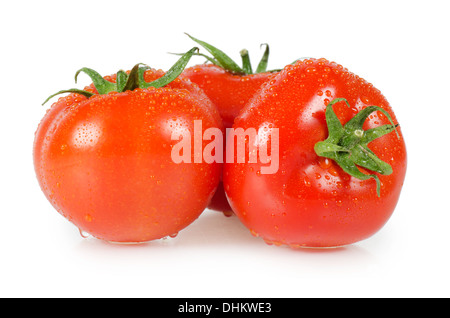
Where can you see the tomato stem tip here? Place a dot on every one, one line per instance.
(348, 145)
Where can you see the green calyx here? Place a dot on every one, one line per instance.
(128, 82)
(347, 145)
(222, 60)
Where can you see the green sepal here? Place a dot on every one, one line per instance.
(246, 65)
(121, 80)
(125, 82)
(262, 66)
(133, 79)
(348, 145)
(172, 73)
(208, 58)
(103, 86)
(220, 57)
(72, 90)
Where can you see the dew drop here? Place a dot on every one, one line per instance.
(228, 213)
(83, 234)
(333, 172)
(365, 99)
(324, 163)
(307, 181)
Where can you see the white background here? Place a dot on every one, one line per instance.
(399, 46)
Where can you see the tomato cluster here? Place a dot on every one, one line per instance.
(316, 157)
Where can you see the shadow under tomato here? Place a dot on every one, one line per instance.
(215, 230)
(212, 228)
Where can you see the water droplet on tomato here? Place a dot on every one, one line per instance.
(173, 235)
(83, 234)
(324, 163)
(365, 99)
(228, 213)
(307, 181)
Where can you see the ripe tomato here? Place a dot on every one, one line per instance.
(104, 162)
(339, 197)
(229, 87)
(228, 91)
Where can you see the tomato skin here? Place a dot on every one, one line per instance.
(105, 162)
(230, 93)
(310, 201)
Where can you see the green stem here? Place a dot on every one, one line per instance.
(246, 65)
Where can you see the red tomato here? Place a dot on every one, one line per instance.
(229, 92)
(105, 162)
(229, 87)
(313, 200)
